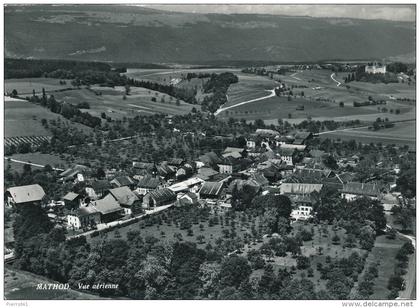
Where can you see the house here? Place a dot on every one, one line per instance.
(250, 144)
(183, 172)
(389, 201)
(126, 198)
(206, 173)
(209, 159)
(299, 188)
(147, 183)
(210, 190)
(143, 168)
(267, 132)
(302, 213)
(297, 147)
(260, 179)
(108, 208)
(165, 171)
(233, 152)
(354, 190)
(158, 197)
(176, 162)
(188, 198)
(83, 217)
(97, 189)
(25, 195)
(121, 181)
(191, 184)
(74, 173)
(72, 200)
(288, 155)
(225, 167)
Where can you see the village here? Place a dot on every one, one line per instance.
(270, 163)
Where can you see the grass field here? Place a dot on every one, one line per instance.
(25, 86)
(112, 103)
(401, 133)
(23, 118)
(384, 251)
(21, 285)
(37, 158)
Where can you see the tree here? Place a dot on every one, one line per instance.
(234, 271)
(303, 262)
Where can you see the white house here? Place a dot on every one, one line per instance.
(303, 212)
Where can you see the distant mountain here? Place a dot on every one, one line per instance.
(138, 34)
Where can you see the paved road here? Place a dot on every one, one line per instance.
(335, 80)
(410, 278)
(272, 94)
(29, 163)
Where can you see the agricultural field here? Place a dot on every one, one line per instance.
(23, 118)
(25, 86)
(172, 76)
(21, 285)
(321, 98)
(401, 133)
(111, 101)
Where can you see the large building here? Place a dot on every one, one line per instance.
(375, 68)
(24, 195)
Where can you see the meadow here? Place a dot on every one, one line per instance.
(25, 86)
(401, 133)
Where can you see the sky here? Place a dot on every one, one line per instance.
(387, 12)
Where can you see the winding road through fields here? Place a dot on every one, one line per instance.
(272, 94)
(335, 80)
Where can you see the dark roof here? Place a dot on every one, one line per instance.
(106, 205)
(260, 179)
(303, 135)
(162, 195)
(366, 189)
(206, 173)
(28, 193)
(149, 181)
(124, 195)
(176, 161)
(141, 165)
(100, 185)
(164, 169)
(211, 188)
(123, 181)
(210, 158)
(287, 151)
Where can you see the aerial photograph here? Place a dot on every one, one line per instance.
(209, 152)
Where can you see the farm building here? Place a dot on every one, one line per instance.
(72, 200)
(176, 162)
(354, 190)
(83, 217)
(302, 137)
(206, 173)
(125, 197)
(233, 152)
(209, 159)
(74, 173)
(191, 184)
(109, 208)
(183, 172)
(299, 188)
(165, 171)
(288, 155)
(188, 198)
(121, 181)
(147, 183)
(158, 197)
(210, 190)
(25, 195)
(97, 189)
